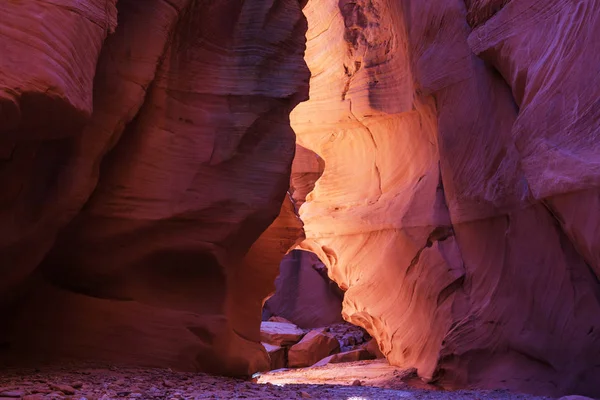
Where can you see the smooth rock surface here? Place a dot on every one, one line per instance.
(304, 294)
(280, 333)
(313, 347)
(275, 318)
(157, 159)
(307, 168)
(50, 51)
(145, 155)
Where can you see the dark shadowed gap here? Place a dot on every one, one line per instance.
(304, 294)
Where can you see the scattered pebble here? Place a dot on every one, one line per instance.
(12, 394)
(66, 389)
(33, 397)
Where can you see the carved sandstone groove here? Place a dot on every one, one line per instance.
(187, 151)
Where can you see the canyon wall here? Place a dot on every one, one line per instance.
(457, 206)
(145, 155)
(144, 148)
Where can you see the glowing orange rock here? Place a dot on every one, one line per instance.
(313, 347)
(455, 202)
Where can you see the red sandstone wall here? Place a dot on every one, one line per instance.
(145, 147)
(182, 159)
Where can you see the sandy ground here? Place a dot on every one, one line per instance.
(377, 381)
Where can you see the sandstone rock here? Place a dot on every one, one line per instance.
(190, 125)
(169, 384)
(33, 397)
(48, 64)
(348, 356)
(280, 333)
(313, 347)
(276, 355)
(461, 165)
(307, 168)
(50, 96)
(276, 318)
(455, 145)
(350, 336)
(304, 295)
(253, 278)
(372, 347)
(13, 393)
(66, 389)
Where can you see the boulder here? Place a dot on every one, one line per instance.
(348, 356)
(280, 333)
(312, 348)
(276, 318)
(276, 355)
(373, 347)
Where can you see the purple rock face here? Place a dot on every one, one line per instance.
(304, 293)
(141, 157)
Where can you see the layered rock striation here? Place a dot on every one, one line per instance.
(145, 148)
(456, 206)
(446, 173)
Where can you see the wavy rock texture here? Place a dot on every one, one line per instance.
(192, 100)
(46, 86)
(456, 206)
(307, 168)
(144, 160)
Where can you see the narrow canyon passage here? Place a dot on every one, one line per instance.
(437, 160)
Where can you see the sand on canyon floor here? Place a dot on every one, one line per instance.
(363, 380)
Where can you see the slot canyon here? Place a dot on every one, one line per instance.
(428, 171)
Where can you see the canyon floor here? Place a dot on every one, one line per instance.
(363, 380)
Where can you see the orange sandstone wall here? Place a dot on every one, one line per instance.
(457, 202)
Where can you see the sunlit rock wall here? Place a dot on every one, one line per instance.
(458, 200)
